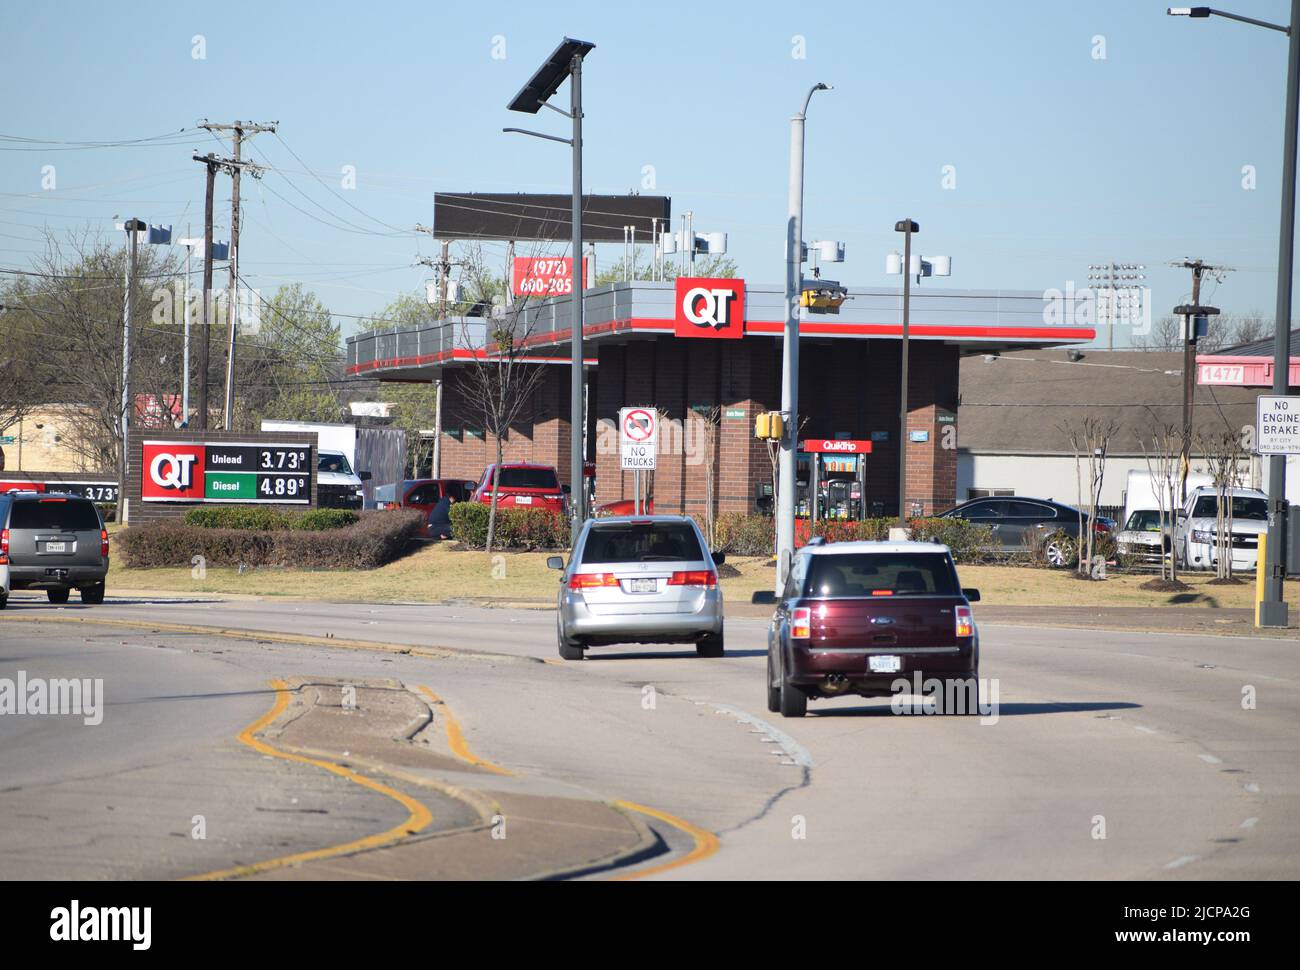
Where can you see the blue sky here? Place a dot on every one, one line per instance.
(1062, 158)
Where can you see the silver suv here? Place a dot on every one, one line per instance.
(53, 542)
(639, 579)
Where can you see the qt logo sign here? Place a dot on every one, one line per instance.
(172, 472)
(710, 308)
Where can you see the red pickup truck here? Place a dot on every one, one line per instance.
(859, 617)
(523, 486)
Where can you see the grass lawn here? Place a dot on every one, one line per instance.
(436, 573)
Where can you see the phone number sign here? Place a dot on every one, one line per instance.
(264, 473)
(544, 276)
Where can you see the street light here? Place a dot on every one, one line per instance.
(1273, 609)
(790, 347)
(566, 61)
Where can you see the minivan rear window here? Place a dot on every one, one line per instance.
(650, 542)
(70, 515)
(882, 574)
(525, 478)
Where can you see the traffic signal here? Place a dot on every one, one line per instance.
(769, 425)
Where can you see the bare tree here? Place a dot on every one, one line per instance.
(1162, 450)
(710, 418)
(1224, 453)
(499, 383)
(1090, 441)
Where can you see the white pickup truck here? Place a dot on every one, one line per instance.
(1194, 533)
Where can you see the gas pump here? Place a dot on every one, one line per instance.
(835, 479)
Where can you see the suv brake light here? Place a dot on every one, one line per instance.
(590, 580)
(965, 622)
(103, 543)
(4, 546)
(694, 577)
(801, 623)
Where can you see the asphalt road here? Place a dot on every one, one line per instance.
(1142, 738)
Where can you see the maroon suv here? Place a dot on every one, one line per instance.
(856, 617)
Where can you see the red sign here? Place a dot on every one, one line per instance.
(172, 471)
(22, 486)
(826, 446)
(710, 307)
(545, 276)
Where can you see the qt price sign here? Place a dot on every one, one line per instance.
(237, 472)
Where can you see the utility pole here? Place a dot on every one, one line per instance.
(236, 164)
(132, 227)
(205, 320)
(907, 227)
(1199, 268)
(443, 265)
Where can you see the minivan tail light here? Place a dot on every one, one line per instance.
(4, 546)
(592, 580)
(694, 577)
(801, 623)
(103, 543)
(965, 622)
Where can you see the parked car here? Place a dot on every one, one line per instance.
(1142, 538)
(624, 506)
(639, 580)
(854, 617)
(523, 486)
(426, 495)
(52, 541)
(1020, 524)
(1195, 540)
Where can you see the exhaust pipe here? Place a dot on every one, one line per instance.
(835, 684)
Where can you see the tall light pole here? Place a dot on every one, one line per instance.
(566, 61)
(1273, 609)
(785, 497)
(132, 228)
(908, 228)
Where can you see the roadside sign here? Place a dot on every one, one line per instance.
(638, 430)
(1277, 425)
(196, 472)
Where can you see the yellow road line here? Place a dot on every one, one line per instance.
(706, 843)
(420, 817)
(456, 739)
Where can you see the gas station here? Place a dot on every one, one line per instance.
(706, 355)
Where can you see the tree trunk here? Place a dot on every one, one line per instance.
(492, 513)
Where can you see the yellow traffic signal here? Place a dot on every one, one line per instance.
(769, 425)
(776, 426)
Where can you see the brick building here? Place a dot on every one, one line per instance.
(708, 388)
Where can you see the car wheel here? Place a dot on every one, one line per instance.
(710, 646)
(57, 595)
(1059, 553)
(92, 595)
(791, 700)
(569, 649)
(773, 692)
(4, 601)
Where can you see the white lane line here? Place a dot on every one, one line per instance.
(1144, 729)
(1181, 861)
(1209, 759)
(1250, 823)
(796, 751)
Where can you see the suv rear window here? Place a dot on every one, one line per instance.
(882, 574)
(525, 478)
(652, 542)
(68, 515)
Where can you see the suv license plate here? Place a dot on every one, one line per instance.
(56, 547)
(642, 585)
(886, 664)
(523, 500)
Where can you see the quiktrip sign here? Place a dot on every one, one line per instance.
(173, 471)
(706, 307)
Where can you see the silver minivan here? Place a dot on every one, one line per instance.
(639, 579)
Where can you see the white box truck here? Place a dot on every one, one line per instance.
(338, 483)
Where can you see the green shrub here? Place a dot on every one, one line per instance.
(754, 535)
(264, 518)
(374, 539)
(516, 528)
(746, 535)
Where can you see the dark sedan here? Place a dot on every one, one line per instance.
(1021, 524)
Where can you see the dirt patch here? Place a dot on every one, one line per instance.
(1165, 585)
(728, 571)
(1225, 581)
